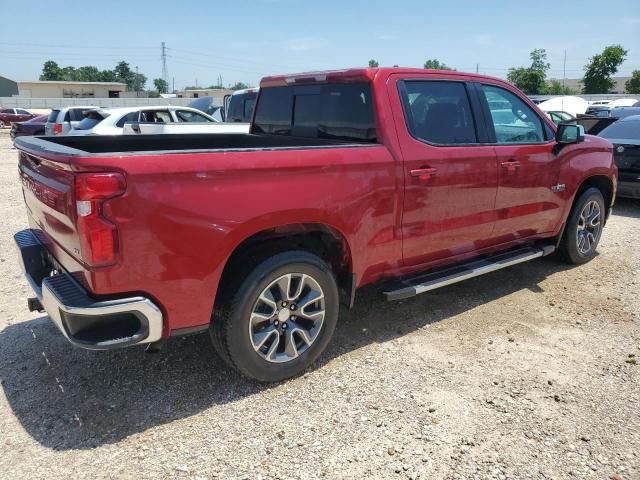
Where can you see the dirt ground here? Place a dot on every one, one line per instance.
(525, 373)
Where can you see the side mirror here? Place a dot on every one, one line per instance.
(569, 133)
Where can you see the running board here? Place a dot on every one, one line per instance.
(425, 282)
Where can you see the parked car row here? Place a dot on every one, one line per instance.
(11, 115)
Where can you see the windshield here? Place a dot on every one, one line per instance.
(204, 104)
(626, 129)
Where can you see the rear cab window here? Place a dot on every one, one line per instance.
(329, 111)
(241, 107)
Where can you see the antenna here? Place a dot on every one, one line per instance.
(165, 71)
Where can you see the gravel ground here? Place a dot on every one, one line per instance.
(525, 373)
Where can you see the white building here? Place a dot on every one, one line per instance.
(56, 89)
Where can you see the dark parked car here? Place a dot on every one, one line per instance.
(35, 126)
(625, 136)
(10, 115)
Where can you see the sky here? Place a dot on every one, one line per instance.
(246, 40)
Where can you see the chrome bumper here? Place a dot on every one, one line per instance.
(83, 320)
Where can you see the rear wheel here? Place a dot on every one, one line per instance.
(584, 228)
(1, 124)
(278, 319)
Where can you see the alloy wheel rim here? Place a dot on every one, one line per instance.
(589, 225)
(287, 317)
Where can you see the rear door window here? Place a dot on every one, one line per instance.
(8, 111)
(189, 116)
(76, 115)
(331, 111)
(128, 118)
(513, 120)
(156, 116)
(438, 112)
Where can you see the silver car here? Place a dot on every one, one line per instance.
(62, 120)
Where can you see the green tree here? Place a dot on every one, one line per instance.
(597, 74)
(139, 81)
(239, 86)
(531, 80)
(153, 94)
(126, 75)
(87, 74)
(373, 63)
(554, 87)
(51, 71)
(161, 85)
(633, 84)
(435, 64)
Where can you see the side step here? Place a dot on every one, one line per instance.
(425, 282)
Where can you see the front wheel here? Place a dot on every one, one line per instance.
(584, 228)
(1, 124)
(278, 319)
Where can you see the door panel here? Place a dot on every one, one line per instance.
(528, 169)
(450, 182)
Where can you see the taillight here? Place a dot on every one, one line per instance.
(57, 128)
(98, 236)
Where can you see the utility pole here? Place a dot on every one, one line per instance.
(564, 69)
(173, 87)
(165, 72)
(477, 67)
(137, 83)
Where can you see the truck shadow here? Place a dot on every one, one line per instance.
(67, 398)
(627, 207)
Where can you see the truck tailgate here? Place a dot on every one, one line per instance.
(47, 187)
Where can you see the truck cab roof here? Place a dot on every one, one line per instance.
(358, 74)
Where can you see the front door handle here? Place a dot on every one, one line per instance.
(511, 166)
(423, 174)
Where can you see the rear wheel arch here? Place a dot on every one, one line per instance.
(325, 241)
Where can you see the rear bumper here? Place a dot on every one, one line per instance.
(628, 189)
(83, 320)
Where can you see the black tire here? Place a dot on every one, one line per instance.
(568, 249)
(230, 331)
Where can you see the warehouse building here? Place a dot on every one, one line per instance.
(218, 94)
(8, 88)
(56, 89)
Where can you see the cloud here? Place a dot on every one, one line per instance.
(307, 43)
(484, 39)
(386, 36)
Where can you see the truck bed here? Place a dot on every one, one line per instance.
(132, 144)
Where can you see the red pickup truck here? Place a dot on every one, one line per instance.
(416, 178)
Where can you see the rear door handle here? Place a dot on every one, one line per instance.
(424, 174)
(511, 166)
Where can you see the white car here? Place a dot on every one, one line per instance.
(62, 120)
(182, 128)
(111, 121)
